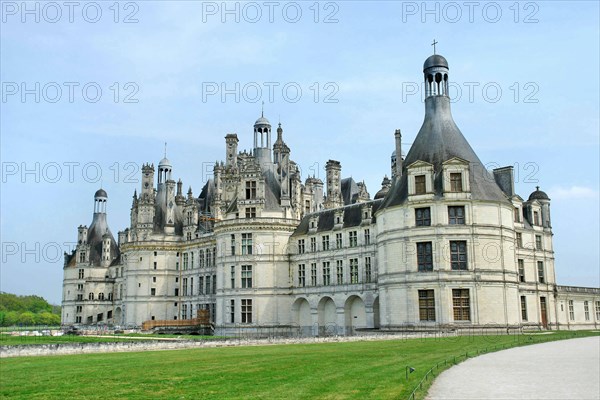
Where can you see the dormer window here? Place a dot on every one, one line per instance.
(250, 190)
(456, 182)
(420, 187)
(517, 215)
(536, 218)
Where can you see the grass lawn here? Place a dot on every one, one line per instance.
(8, 340)
(346, 370)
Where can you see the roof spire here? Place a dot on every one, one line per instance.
(165, 149)
(262, 110)
(433, 44)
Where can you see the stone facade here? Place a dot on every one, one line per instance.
(445, 244)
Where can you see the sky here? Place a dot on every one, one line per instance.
(92, 90)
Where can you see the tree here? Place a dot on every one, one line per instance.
(46, 318)
(11, 318)
(27, 318)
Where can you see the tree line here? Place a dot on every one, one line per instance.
(27, 310)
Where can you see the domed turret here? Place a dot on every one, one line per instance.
(435, 60)
(100, 198)
(100, 193)
(538, 195)
(385, 188)
(262, 141)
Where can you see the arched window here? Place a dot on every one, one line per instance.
(100, 296)
(91, 296)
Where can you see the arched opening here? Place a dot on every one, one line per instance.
(327, 317)
(117, 318)
(438, 80)
(356, 316)
(302, 317)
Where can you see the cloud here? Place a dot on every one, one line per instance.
(573, 193)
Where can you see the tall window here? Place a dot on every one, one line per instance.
(313, 244)
(246, 311)
(424, 256)
(185, 261)
(246, 243)
(541, 276)
(354, 270)
(423, 216)
(192, 260)
(301, 246)
(536, 218)
(100, 296)
(232, 275)
(586, 310)
(81, 273)
(339, 272)
(232, 245)
(82, 256)
(251, 190)
(325, 242)
(246, 276)
(420, 187)
(460, 304)
(192, 286)
(521, 264)
(456, 182)
(208, 286)
(426, 305)
(538, 242)
(456, 215)
(368, 270)
(517, 215)
(301, 275)
(250, 212)
(523, 308)
(313, 274)
(184, 311)
(91, 296)
(338, 241)
(367, 237)
(232, 311)
(458, 255)
(598, 310)
(214, 284)
(571, 310)
(201, 259)
(519, 239)
(200, 285)
(185, 287)
(353, 241)
(326, 273)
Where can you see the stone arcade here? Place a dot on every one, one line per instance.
(444, 244)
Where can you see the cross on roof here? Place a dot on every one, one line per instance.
(433, 44)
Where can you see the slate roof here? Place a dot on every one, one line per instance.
(97, 229)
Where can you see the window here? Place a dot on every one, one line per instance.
(201, 258)
(456, 182)
(519, 239)
(313, 244)
(192, 260)
(313, 274)
(184, 311)
(598, 310)
(232, 245)
(246, 276)
(523, 308)
(77, 320)
(79, 297)
(326, 273)
(458, 255)
(301, 275)
(354, 270)
(521, 264)
(420, 187)
(200, 285)
(91, 296)
(426, 305)
(79, 309)
(191, 286)
(307, 206)
(81, 273)
(423, 216)
(460, 304)
(185, 287)
(100, 296)
(353, 242)
(232, 276)
(536, 218)
(176, 291)
(250, 212)
(177, 265)
(338, 241)
(185, 262)
(153, 292)
(246, 311)
(571, 311)
(250, 190)
(424, 256)
(82, 256)
(214, 284)
(80, 287)
(540, 267)
(325, 242)
(214, 256)
(340, 272)
(246, 243)
(301, 246)
(155, 265)
(586, 310)
(367, 237)
(207, 286)
(232, 311)
(456, 215)
(368, 271)
(153, 279)
(517, 215)
(538, 242)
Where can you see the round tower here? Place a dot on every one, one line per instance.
(100, 199)
(262, 140)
